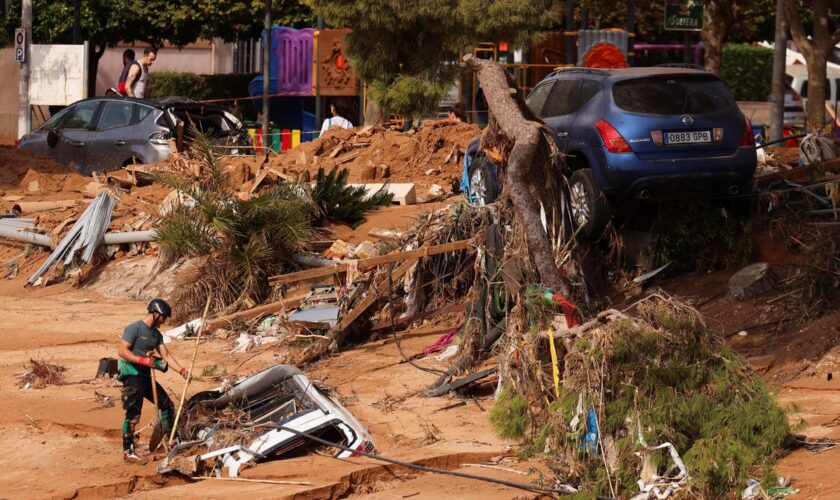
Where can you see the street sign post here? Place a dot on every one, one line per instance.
(684, 15)
(20, 45)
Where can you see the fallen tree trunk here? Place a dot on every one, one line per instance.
(517, 125)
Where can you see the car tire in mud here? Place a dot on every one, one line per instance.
(484, 183)
(590, 207)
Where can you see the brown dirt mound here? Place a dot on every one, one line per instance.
(430, 155)
(18, 166)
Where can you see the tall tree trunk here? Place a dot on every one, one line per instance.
(779, 57)
(714, 32)
(815, 50)
(815, 106)
(507, 108)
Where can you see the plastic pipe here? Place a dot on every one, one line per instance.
(19, 234)
(129, 237)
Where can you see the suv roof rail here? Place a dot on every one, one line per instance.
(681, 65)
(578, 69)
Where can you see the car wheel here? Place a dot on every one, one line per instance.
(484, 184)
(590, 208)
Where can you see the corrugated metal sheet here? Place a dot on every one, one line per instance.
(588, 38)
(85, 235)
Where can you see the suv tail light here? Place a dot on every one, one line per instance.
(612, 139)
(747, 137)
(159, 138)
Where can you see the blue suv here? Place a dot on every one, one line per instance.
(633, 134)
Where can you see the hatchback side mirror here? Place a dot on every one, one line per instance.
(52, 138)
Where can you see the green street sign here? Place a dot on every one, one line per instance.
(684, 15)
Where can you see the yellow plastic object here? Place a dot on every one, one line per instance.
(295, 138)
(555, 370)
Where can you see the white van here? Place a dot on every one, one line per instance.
(796, 76)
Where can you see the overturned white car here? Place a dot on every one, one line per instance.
(231, 428)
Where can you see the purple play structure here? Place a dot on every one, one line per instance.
(291, 61)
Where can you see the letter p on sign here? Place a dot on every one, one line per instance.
(20, 45)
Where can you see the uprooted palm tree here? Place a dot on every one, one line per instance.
(239, 243)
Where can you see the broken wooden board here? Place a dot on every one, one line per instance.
(372, 296)
(308, 274)
(372, 262)
(258, 180)
(271, 308)
(367, 264)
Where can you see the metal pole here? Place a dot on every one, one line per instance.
(319, 108)
(266, 140)
(77, 22)
(570, 26)
(24, 113)
(631, 28)
(777, 96)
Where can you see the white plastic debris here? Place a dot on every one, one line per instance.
(816, 148)
(752, 491)
(246, 342)
(656, 486)
(179, 332)
(447, 353)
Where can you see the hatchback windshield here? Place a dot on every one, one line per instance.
(672, 95)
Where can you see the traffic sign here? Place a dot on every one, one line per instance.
(20, 45)
(684, 15)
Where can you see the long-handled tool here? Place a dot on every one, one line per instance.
(190, 370)
(157, 428)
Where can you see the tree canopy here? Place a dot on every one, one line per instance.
(105, 23)
(417, 44)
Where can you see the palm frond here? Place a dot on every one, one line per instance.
(337, 201)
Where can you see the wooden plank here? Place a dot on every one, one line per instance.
(271, 308)
(281, 175)
(372, 262)
(349, 157)
(258, 180)
(373, 296)
(308, 274)
(367, 264)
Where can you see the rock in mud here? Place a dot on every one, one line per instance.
(751, 281)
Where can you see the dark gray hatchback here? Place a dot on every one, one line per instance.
(106, 133)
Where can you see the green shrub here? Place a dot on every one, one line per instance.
(172, 83)
(701, 236)
(509, 416)
(748, 71)
(200, 87)
(667, 376)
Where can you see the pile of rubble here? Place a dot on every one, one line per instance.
(428, 156)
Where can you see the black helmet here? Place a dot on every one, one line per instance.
(161, 307)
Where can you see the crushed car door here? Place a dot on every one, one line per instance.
(108, 146)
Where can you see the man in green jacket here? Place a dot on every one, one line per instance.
(138, 346)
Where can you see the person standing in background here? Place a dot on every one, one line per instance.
(128, 62)
(138, 83)
(336, 120)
